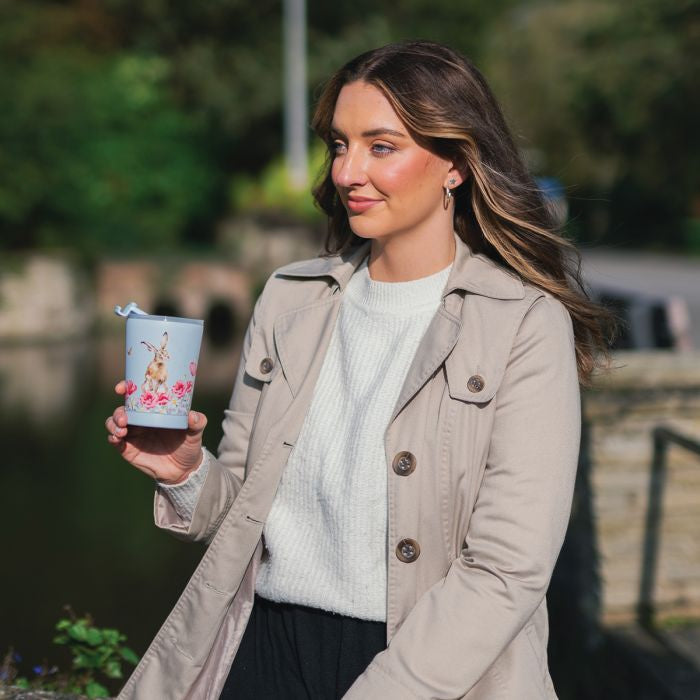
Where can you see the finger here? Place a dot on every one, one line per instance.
(196, 422)
(118, 443)
(120, 416)
(120, 387)
(113, 429)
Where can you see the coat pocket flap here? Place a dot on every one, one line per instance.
(261, 362)
(474, 377)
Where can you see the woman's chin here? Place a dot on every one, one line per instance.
(364, 228)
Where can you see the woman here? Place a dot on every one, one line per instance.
(396, 473)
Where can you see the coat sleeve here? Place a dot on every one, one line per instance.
(226, 472)
(460, 626)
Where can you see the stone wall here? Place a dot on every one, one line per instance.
(646, 390)
(48, 298)
(190, 286)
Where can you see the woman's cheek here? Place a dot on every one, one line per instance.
(405, 174)
(395, 179)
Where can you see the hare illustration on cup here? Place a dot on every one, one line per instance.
(157, 370)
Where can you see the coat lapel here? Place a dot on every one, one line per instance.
(434, 347)
(311, 325)
(308, 327)
(471, 275)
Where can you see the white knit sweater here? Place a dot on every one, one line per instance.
(326, 532)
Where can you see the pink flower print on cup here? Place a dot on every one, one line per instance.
(180, 388)
(148, 399)
(188, 387)
(163, 399)
(193, 368)
(130, 387)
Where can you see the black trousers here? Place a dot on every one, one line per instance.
(293, 652)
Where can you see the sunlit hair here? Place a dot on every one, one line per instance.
(447, 107)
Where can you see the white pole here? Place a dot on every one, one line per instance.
(296, 139)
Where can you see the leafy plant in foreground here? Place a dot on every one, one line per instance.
(95, 652)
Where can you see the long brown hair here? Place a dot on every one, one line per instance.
(449, 109)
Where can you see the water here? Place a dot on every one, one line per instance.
(77, 519)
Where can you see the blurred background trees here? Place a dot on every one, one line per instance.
(607, 91)
(145, 123)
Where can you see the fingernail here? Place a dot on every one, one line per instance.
(195, 417)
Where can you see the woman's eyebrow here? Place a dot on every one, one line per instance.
(379, 131)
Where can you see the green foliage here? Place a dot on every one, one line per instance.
(94, 155)
(692, 236)
(606, 92)
(94, 652)
(128, 119)
(271, 191)
(677, 622)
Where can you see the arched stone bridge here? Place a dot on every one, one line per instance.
(218, 292)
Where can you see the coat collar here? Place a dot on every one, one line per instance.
(477, 274)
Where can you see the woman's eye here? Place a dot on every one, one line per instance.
(378, 149)
(381, 149)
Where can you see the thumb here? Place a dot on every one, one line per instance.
(196, 422)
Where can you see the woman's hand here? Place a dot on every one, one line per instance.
(162, 453)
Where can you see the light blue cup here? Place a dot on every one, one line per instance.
(161, 365)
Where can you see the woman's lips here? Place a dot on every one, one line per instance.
(360, 205)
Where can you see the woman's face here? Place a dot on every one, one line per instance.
(389, 185)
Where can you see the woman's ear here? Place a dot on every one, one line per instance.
(456, 176)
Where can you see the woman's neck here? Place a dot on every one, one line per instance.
(402, 258)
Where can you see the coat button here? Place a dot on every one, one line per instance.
(266, 365)
(408, 550)
(404, 463)
(476, 383)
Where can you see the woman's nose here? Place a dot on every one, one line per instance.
(350, 170)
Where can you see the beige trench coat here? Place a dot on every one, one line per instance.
(490, 412)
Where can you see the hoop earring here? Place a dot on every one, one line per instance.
(446, 197)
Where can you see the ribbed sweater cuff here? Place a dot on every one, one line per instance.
(184, 495)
